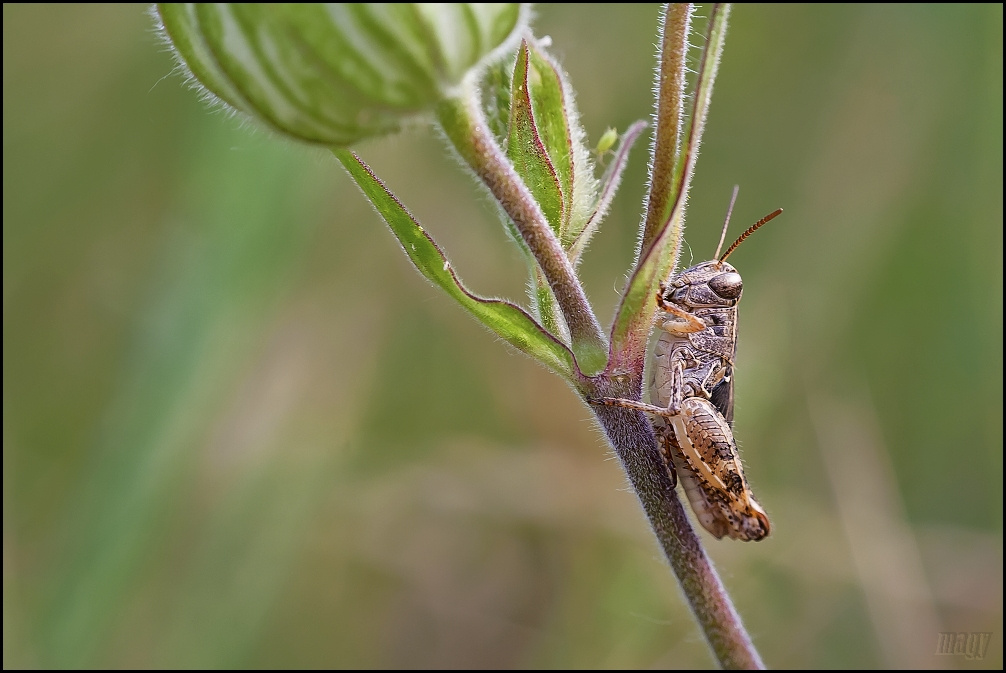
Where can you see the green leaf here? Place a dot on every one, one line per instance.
(526, 147)
(547, 102)
(335, 73)
(546, 143)
(508, 321)
(559, 125)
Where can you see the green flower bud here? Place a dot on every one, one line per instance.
(606, 142)
(335, 73)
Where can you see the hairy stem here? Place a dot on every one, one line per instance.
(631, 435)
(675, 26)
(465, 126)
(684, 168)
(675, 147)
(629, 432)
(634, 319)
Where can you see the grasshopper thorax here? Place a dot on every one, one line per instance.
(712, 284)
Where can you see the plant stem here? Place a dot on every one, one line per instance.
(631, 435)
(629, 432)
(466, 127)
(675, 25)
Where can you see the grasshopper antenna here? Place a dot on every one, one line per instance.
(730, 211)
(752, 229)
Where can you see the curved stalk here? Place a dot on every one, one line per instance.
(465, 126)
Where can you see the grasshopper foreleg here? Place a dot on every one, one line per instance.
(681, 323)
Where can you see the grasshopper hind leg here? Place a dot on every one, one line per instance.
(666, 443)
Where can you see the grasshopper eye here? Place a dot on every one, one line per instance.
(727, 285)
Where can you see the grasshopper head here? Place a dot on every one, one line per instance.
(710, 284)
(713, 284)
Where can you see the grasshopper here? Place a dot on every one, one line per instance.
(693, 393)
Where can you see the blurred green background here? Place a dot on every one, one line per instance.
(240, 430)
